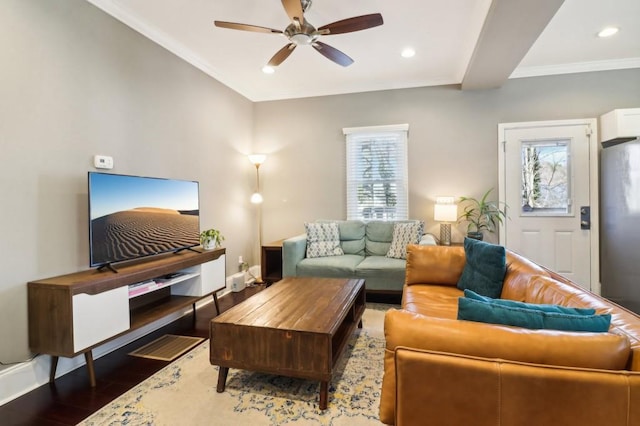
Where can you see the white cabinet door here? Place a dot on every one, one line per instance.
(99, 317)
(213, 275)
(211, 278)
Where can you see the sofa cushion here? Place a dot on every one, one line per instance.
(332, 266)
(404, 233)
(352, 233)
(484, 268)
(378, 237)
(439, 301)
(493, 313)
(544, 289)
(516, 280)
(381, 267)
(535, 306)
(323, 239)
(434, 265)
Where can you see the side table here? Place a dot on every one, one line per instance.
(271, 262)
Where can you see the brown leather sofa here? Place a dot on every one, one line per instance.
(444, 371)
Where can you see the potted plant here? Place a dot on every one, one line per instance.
(211, 238)
(481, 215)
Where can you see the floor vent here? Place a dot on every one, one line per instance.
(167, 347)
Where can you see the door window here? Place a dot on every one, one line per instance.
(546, 178)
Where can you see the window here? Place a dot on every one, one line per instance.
(546, 178)
(377, 182)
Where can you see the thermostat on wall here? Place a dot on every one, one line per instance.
(103, 162)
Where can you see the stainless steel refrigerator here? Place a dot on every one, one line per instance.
(620, 223)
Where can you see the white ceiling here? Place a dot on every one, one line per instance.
(444, 34)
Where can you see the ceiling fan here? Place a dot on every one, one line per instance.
(301, 33)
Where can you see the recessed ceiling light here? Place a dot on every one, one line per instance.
(268, 70)
(408, 52)
(608, 32)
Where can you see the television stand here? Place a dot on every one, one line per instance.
(70, 315)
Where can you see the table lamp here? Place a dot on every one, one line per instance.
(445, 211)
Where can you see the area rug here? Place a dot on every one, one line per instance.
(184, 392)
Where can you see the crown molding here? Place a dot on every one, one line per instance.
(576, 67)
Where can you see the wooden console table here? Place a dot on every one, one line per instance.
(71, 314)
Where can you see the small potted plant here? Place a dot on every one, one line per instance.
(481, 215)
(211, 238)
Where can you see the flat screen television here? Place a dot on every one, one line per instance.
(134, 216)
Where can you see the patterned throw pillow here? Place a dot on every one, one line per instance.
(323, 239)
(404, 233)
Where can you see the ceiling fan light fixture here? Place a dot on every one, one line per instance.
(302, 39)
(267, 69)
(608, 31)
(408, 52)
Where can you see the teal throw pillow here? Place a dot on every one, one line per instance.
(536, 306)
(484, 269)
(492, 313)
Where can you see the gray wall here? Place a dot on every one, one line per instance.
(74, 82)
(453, 148)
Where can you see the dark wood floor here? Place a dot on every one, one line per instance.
(71, 399)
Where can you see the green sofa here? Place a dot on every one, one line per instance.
(365, 245)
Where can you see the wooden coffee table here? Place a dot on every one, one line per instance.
(298, 327)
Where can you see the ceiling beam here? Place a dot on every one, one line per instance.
(509, 31)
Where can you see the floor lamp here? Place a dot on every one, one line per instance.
(256, 198)
(445, 211)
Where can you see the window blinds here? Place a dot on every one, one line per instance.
(377, 177)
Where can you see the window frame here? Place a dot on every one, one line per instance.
(567, 144)
(398, 135)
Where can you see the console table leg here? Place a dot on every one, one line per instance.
(360, 324)
(54, 366)
(222, 379)
(88, 356)
(215, 301)
(324, 387)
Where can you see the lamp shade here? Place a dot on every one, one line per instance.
(445, 210)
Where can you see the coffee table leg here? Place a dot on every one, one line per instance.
(360, 324)
(324, 387)
(222, 379)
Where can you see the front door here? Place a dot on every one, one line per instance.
(548, 179)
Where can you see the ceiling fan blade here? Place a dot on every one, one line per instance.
(281, 55)
(294, 10)
(357, 23)
(246, 27)
(333, 54)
